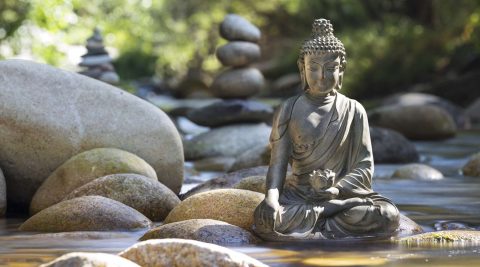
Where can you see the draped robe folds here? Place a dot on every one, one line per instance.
(342, 145)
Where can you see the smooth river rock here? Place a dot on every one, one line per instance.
(472, 168)
(50, 115)
(231, 111)
(390, 146)
(148, 196)
(235, 27)
(417, 171)
(205, 230)
(238, 83)
(233, 206)
(254, 157)
(3, 195)
(84, 259)
(84, 168)
(88, 213)
(181, 252)
(448, 238)
(473, 111)
(227, 141)
(237, 53)
(418, 122)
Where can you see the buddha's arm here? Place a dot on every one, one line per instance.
(359, 180)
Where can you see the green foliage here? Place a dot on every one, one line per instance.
(12, 14)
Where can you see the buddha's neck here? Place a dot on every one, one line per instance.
(319, 99)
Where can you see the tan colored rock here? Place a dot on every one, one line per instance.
(3, 195)
(472, 168)
(234, 206)
(417, 171)
(88, 213)
(205, 230)
(253, 183)
(448, 238)
(49, 115)
(181, 252)
(148, 196)
(83, 259)
(84, 168)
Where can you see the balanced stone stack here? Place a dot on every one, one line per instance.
(98, 61)
(238, 82)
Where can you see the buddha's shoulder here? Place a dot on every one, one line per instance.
(354, 104)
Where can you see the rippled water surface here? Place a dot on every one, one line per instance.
(454, 200)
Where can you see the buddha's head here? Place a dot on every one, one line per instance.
(322, 60)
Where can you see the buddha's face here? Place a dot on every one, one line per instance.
(322, 72)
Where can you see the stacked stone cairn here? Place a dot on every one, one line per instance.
(234, 113)
(98, 61)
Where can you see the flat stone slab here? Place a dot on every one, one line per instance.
(449, 238)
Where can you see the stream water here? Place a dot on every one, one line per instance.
(451, 202)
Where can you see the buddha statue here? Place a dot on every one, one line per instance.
(325, 137)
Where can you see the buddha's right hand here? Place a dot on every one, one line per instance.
(271, 199)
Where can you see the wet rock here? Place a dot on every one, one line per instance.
(472, 168)
(231, 111)
(181, 252)
(227, 141)
(238, 83)
(50, 115)
(216, 164)
(417, 171)
(84, 168)
(473, 111)
(226, 181)
(408, 227)
(408, 99)
(254, 157)
(235, 27)
(3, 195)
(88, 213)
(83, 259)
(237, 54)
(233, 206)
(253, 183)
(390, 146)
(185, 126)
(421, 122)
(449, 238)
(205, 230)
(449, 225)
(148, 196)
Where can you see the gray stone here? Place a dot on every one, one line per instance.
(84, 259)
(227, 141)
(84, 168)
(254, 157)
(93, 60)
(408, 227)
(238, 54)
(238, 83)
(473, 111)
(88, 213)
(390, 146)
(417, 171)
(231, 111)
(253, 183)
(3, 195)
(421, 122)
(287, 86)
(205, 230)
(181, 252)
(408, 99)
(448, 238)
(50, 115)
(235, 27)
(148, 196)
(472, 168)
(216, 164)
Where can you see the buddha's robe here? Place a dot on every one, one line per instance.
(341, 144)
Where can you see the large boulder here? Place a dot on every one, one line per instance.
(181, 252)
(84, 259)
(420, 122)
(3, 195)
(84, 168)
(237, 28)
(234, 206)
(227, 141)
(88, 213)
(448, 238)
(390, 146)
(50, 115)
(472, 168)
(148, 196)
(238, 83)
(205, 230)
(231, 111)
(417, 171)
(238, 53)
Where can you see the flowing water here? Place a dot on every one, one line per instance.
(451, 202)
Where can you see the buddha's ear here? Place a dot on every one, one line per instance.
(340, 81)
(301, 69)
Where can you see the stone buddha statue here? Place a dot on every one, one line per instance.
(325, 137)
